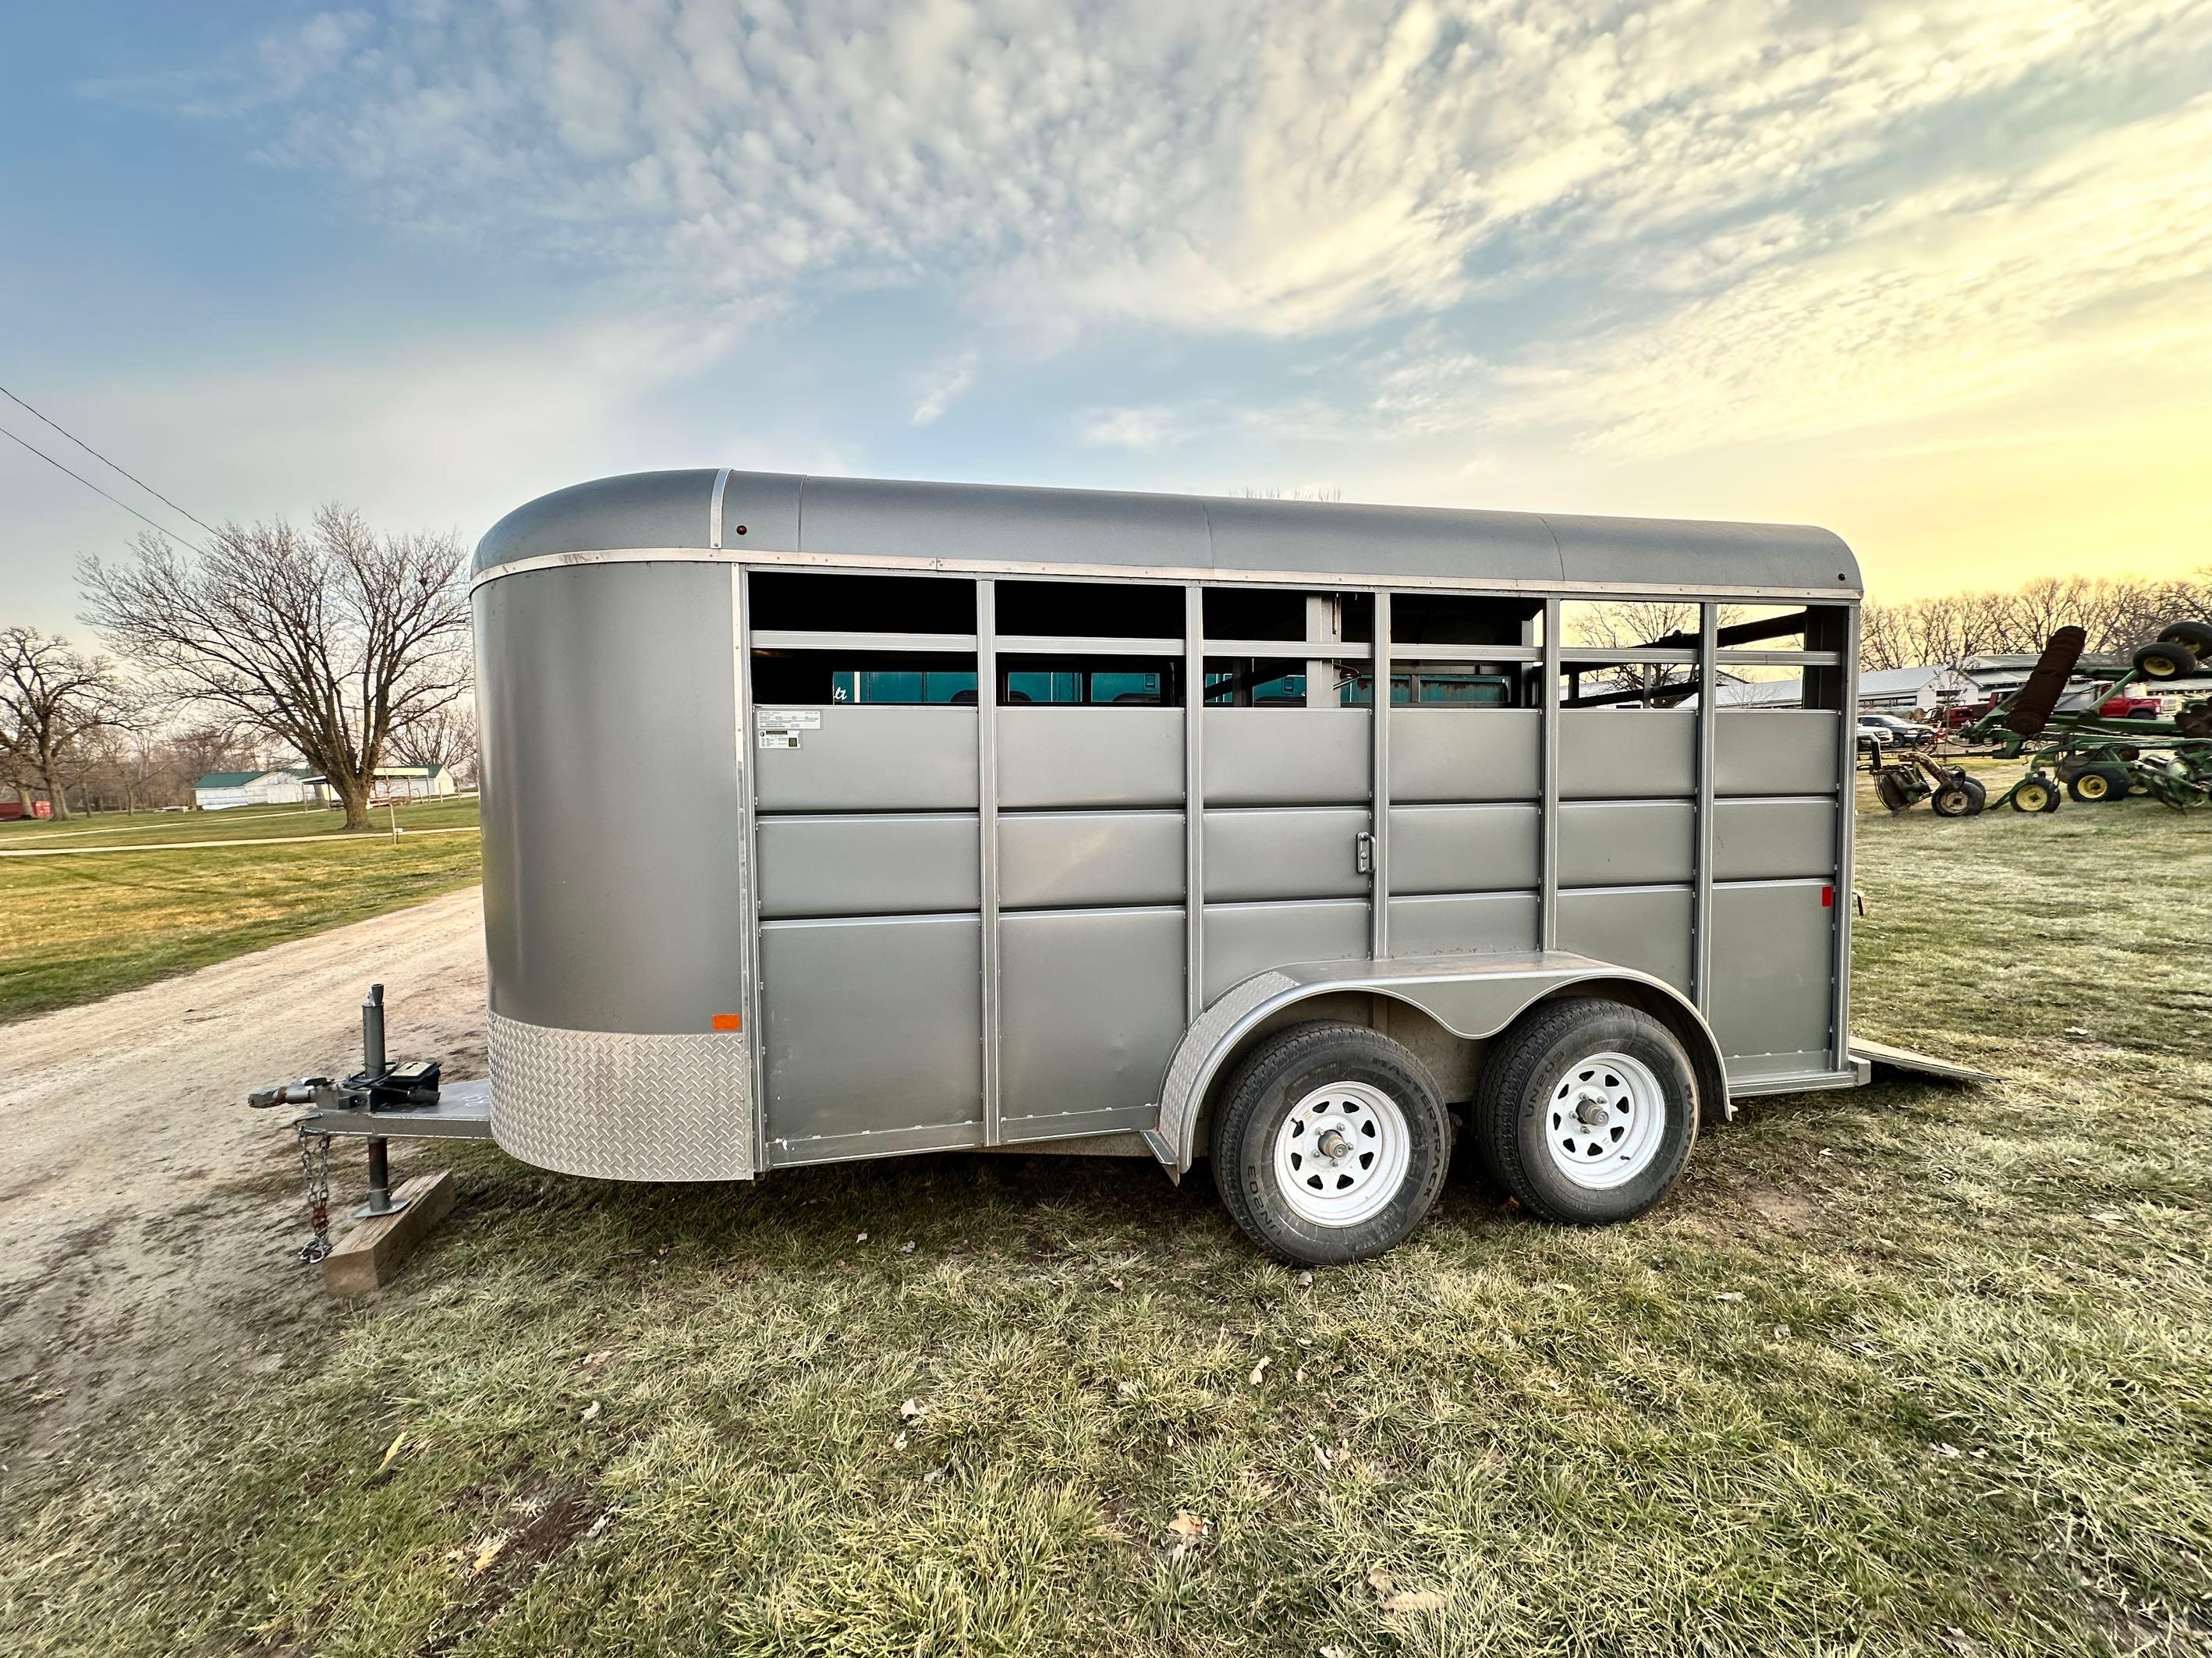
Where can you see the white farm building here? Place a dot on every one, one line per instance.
(219, 791)
(431, 782)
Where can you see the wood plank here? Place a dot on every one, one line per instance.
(370, 1256)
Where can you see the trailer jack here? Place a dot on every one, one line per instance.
(383, 1100)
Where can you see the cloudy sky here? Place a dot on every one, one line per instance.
(1938, 276)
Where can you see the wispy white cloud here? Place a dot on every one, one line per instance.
(1741, 195)
(1130, 428)
(1967, 290)
(943, 384)
(1245, 165)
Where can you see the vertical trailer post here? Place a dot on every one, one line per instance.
(372, 1064)
(1701, 902)
(1845, 630)
(1547, 902)
(1194, 800)
(986, 828)
(1379, 788)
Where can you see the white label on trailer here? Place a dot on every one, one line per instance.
(788, 719)
(778, 739)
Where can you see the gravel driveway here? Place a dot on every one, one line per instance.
(148, 1221)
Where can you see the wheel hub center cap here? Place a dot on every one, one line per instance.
(1342, 1154)
(1607, 1120)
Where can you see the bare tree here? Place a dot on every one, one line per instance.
(1631, 624)
(54, 702)
(1321, 492)
(2116, 612)
(444, 736)
(325, 640)
(195, 750)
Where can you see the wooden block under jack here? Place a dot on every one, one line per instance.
(370, 1256)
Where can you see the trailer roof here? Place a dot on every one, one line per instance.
(995, 527)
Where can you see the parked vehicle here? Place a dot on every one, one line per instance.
(830, 818)
(1894, 732)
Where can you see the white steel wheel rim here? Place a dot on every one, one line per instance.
(1341, 1154)
(1603, 1124)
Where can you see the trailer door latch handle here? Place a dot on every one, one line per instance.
(1362, 853)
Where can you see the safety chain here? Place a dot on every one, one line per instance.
(315, 1165)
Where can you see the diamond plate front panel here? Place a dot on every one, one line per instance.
(617, 1106)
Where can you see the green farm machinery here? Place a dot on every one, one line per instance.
(2083, 753)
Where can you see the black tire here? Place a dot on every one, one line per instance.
(1527, 1079)
(1893, 791)
(2195, 637)
(1975, 790)
(1955, 800)
(2164, 661)
(1277, 1081)
(2095, 786)
(2035, 792)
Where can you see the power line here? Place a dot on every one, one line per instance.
(103, 460)
(96, 489)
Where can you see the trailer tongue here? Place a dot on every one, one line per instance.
(385, 1099)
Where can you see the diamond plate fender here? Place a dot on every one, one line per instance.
(618, 1106)
(1471, 996)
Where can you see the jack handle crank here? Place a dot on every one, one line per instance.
(299, 1093)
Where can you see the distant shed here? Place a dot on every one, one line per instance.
(220, 791)
(430, 782)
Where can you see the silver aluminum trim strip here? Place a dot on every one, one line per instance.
(1156, 573)
(1847, 761)
(1194, 800)
(1083, 645)
(1378, 808)
(1701, 903)
(714, 510)
(1782, 658)
(1292, 650)
(987, 810)
(1324, 620)
(807, 638)
(1805, 1082)
(749, 863)
(876, 1143)
(1411, 652)
(1547, 901)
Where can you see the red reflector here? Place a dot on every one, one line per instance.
(729, 1022)
(1828, 897)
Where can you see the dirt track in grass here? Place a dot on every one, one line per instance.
(143, 1209)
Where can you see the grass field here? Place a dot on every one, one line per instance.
(246, 822)
(76, 928)
(1907, 1369)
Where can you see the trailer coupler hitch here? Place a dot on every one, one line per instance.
(379, 1084)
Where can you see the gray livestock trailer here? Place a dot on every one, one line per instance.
(829, 818)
